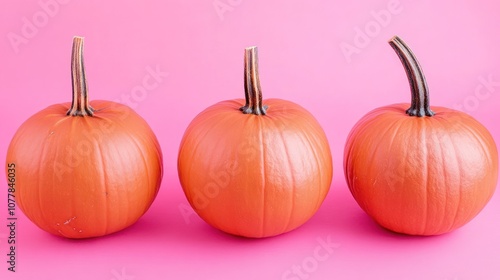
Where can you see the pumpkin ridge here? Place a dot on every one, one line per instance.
(132, 141)
(350, 146)
(309, 142)
(198, 129)
(193, 130)
(39, 184)
(444, 178)
(360, 128)
(445, 174)
(425, 150)
(459, 164)
(57, 152)
(396, 127)
(73, 124)
(354, 148)
(228, 117)
(149, 138)
(319, 199)
(105, 215)
(193, 154)
(68, 139)
(86, 125)
(135, 141)
(264, 175)
(290, 167)
(474, 134)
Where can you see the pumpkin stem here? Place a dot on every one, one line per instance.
(253, 93)
(80, 104)
(419, 91)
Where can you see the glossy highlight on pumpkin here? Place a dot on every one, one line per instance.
(85, 169)
(417, 169)
(253, 167)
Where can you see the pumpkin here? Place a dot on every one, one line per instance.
(417, 169)
(85, 169)
(255, 168)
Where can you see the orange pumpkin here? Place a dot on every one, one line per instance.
(85, 169)
(423, 170)
(251, 169)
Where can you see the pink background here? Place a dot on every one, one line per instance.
(457, 43)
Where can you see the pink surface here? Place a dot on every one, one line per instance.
(196, 52)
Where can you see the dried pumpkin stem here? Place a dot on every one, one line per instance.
(253, 92)
(80, 104)
(420, 106)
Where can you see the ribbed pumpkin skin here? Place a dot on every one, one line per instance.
(82, 177)
(420, 175)
(255, 175)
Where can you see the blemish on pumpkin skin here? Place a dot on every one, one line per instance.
(69, 220)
